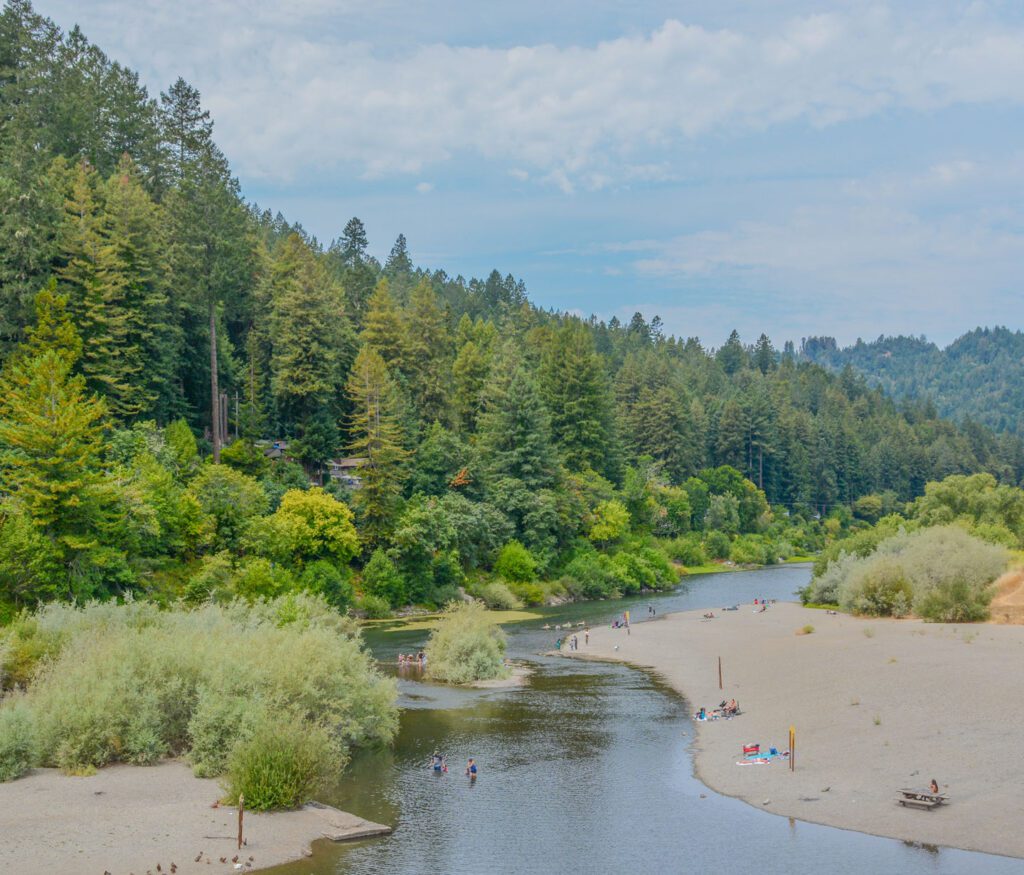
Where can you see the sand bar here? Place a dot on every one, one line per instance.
(128, 819)
(877, 704)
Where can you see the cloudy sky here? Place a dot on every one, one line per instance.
(843, 168)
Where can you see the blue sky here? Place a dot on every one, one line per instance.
(851, 169)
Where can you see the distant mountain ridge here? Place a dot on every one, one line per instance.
(979, 376)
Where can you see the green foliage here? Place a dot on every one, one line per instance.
(687, 550)
(382, 580)
(373, 607)
(243, 455)
(717, 545)
(516, 564)
(332, 583)
(497, 596)
(308, 526)
(466, 646)
(282, 764)
(377, 437)
(936, 572)
(610, 522)
(19, 746)
(131, 683)
(231, 501)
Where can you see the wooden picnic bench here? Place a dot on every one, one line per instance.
(921, 798)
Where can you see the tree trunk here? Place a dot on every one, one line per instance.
(214, 389)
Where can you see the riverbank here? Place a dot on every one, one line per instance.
(877, 705)
(127, 819)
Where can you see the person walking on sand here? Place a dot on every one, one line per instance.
(586, 635)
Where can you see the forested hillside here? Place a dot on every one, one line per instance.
(153, 322)
(979, 376)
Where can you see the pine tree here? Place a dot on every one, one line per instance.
(515, 434)
(135, 228)
(95, 281)
(374, 434)
(309, 333)
(428, 354)
(383, 328)
(51, 444)
(471, 369)
(732, 356)
(398, 270)
(575, 391)
(187, 126)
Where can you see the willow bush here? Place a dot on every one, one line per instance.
(130, 683)
(466, 646)
(941, 573)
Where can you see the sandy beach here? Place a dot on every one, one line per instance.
(128, 819)
(878, 705)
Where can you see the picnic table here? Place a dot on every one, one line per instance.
(921, 798)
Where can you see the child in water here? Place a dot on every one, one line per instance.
(471, 769)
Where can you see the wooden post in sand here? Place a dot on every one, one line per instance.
(241, 811)
(792, 748)
(719, 672)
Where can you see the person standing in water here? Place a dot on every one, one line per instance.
(471, 769)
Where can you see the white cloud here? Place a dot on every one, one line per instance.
(424, 187)
(288, 92)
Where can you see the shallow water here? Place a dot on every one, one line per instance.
(586, 769)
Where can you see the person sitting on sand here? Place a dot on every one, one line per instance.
(732, 707)
(934, 787)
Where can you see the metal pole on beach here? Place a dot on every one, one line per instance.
(720, 673)
(241, 811)
(792, 748)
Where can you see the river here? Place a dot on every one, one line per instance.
(587, 769)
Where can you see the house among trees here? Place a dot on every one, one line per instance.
(344, 470)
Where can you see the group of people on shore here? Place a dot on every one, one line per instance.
(412, 660)
(573, 640)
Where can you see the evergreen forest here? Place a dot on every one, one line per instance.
(978, 377)
(159, 334)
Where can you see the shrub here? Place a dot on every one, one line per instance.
(373, 607)
(383, 580)
(498, 597)
(212, 579)
(955, 601)
(717, 544)
(748, 550)
(466, 646)
(259, 578)
(281, 765)
(129, 683)
(326, 579)
(516, 564)
(529, 593)
(687, 550)
(19, 748)
(878, 588)
(937, 571)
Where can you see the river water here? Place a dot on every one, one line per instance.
(587, 769)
